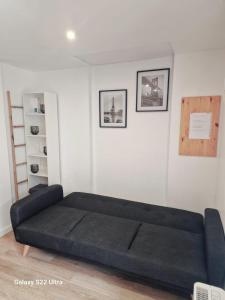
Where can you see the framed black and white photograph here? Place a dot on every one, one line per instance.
(152, 90)
(113, 108)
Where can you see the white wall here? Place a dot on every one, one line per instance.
(140, 162)
(220, 195)
(133, 163)
(72, 88)
(130, 163)
(192, 181)
(17, 81)
(5, 184)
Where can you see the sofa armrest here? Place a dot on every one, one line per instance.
(34, 203)
(215, 248)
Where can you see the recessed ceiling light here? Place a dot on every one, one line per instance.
(70, 34)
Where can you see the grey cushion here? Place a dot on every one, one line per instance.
(98, 234)
(153, 214)
(167, 254)
(32, 204)
(50, 228)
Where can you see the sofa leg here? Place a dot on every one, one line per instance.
(25, 250)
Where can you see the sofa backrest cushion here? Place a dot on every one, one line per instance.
(34, 203)
(215, 248)
(138, 211)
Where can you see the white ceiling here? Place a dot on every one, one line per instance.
(32, 32)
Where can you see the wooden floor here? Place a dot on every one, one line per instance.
(81, 280)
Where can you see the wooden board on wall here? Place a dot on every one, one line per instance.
(199, 147)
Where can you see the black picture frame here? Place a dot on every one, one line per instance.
(121, 121)
(150, 99)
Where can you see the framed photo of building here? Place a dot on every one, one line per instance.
(152, 90)
(113, 108)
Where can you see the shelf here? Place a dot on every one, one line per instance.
(36, 136)
(22, 181)
(17, 106)
(39, 174)
(38, 155)
(35, 114)
(21, 164)
(19, 145)
(47, 137)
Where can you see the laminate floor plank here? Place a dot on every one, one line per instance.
(80, 280)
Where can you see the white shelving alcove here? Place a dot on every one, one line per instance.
(41, 110)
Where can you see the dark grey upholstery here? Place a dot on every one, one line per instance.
(50, 228)
(142, 212)
(144, 240)
(171, 255)
(105, 232)
(25, 208)
(215, 247)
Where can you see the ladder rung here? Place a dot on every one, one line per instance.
(17, 106)
(19, 145)
(21, 164)
(22, 181)
(18, 126)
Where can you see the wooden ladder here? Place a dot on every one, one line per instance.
(12, 128)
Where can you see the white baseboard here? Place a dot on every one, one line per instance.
(5, 230)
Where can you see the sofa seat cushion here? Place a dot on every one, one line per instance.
(99, 234)
(50, 228)
(142, 212)
(169, 255)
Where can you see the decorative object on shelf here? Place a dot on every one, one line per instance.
(47, 134)
(45, 150)
(113, 108)
(152, 90)
(35, 105)
(34, 130)
(42, 108)
(34, 168)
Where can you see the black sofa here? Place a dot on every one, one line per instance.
(172, 247)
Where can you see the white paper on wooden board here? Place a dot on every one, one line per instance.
(200, 126)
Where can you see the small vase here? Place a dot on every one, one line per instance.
(34, 130)
(34, 168)
(45, 150)
(42, 108)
